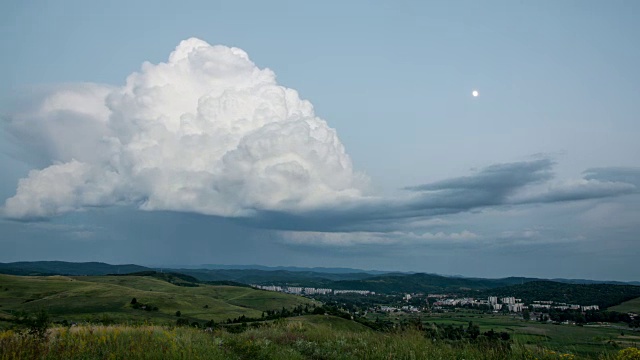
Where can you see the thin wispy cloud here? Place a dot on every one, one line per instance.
(496, 186)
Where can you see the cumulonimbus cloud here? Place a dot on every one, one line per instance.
(207, 131)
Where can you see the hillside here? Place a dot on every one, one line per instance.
(528, 289)
(271, 277)
(424, 283)
(388, 283)
(109, 298)
(603, 295)
(632, 305)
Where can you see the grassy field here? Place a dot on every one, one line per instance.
(152, 334)
(108, 297)
(584, 341)
(306, 337)
(632, 305)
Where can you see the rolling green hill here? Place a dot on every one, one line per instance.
(109, 298)
(387, 283)
(632, 305)
(528, 289)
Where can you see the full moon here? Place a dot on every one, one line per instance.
(475, 93)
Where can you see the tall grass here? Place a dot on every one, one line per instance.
(282, 340)
(110, 342)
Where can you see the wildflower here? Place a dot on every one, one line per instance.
(631, 353)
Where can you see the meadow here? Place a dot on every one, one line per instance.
(93, 318)
(632, 305)
(305, 337)
(107, 299)
(587, 341)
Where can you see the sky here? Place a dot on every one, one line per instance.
(335, 134)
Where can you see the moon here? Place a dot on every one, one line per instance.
(475, 93)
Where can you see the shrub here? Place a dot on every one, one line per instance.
(36, 324)
(629, 354)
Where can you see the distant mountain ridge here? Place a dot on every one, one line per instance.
(343, 270)
(272, 277)
(334, 277)
(327, 270)
(36, 268)
(586, 281)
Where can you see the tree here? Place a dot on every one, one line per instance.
(178, 313)
(526, 315)
(134, 301)
(210, 324)
(473, 330)
(37, 324)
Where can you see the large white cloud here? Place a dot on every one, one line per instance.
(207, 131)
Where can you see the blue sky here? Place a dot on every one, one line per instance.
(537, 176)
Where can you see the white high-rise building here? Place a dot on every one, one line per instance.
(509, 300)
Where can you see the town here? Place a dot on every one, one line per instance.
(510, 304)
(310, 291)
(417, 302)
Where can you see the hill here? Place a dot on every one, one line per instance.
(581, 292)
(424, 283)
(171, 277)
(272, 277)
(324, 270)
(109, 298)
(632, 305)
(603, 295)
(42, 268)
(585, 281)
(388, 283)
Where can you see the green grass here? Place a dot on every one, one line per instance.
(585, 341)
(108, 297)
(309, 338)
(632, 305)
(304, 337)
(331, 322)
